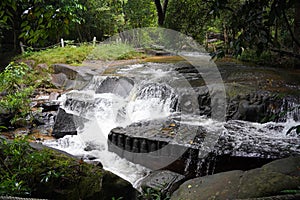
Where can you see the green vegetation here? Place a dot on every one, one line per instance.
(45, 173)
(75, 55)
(69, 55)
(17, 84)
(118, 51)
(230, 27)
(153, 194)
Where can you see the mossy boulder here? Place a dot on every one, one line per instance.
(41, 172)
(269, 180)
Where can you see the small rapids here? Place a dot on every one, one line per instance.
(150, 92)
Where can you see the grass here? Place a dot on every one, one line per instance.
(119, 51)
(76, 55)
(68, 55)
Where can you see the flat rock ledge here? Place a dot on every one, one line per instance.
(267, 182)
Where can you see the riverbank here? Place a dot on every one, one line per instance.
(244, 81)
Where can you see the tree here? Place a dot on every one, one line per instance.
(140, 13)
(161, 10)
(44, 20)
(297, 31)
(103, 18)
(189, 17)
(261, 25)
(38, 22)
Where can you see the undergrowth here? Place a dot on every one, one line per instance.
(73, 55)
(116, 51)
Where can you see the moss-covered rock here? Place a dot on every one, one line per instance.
(46, 173)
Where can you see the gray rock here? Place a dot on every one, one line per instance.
(117, 85)
(64, 124)
(162, 180)
(268, 180)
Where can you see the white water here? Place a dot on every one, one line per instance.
(107, 110)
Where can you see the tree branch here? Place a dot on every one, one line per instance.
(290, 29)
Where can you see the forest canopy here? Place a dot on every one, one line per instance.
(259, 25)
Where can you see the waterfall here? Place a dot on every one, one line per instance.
(109, 102)
(146, 92)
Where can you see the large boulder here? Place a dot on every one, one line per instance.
(53, 174)
(269, 180)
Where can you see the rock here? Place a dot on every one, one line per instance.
(117, 85)
(5, 118)
(29, 63)
(53, 96)
(21, 132)
(75, 179)
(68, 70)
(115, 187)
(268, 180)
(59, 80)
(50, 106)
(42, 67)
(70, 77)
(64, 124)
(74, 73)
(162, 180)
(155, 144)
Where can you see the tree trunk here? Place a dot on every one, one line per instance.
(161, 11)
(297, 33)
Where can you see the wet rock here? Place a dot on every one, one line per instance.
(45, 117)
(164, 181)
(115, 187)
(269, 180)
(50, 106)
(53, 96)
(64, 124)
(197, 151)
(116, 85)
(261, 107)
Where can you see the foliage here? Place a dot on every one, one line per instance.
(257, 25)
(6, 12)
(243, 25)
(291, 191)
(17, 82)
(38, 22)
(48, 19)
(116, 51)
(153, 194)
(188, 17)
(28, 172)
(103, 18)
(251, 55)
(140, 13)
(74, 55)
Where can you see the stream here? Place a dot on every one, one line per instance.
(149, 92)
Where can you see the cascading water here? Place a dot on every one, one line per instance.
(106, 103)
(150, 92)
